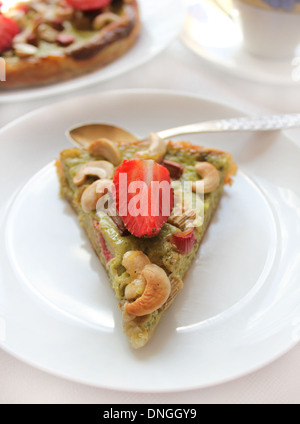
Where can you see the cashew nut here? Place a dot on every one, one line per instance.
(47, 33)
(93, 193)
(100, 169)
(135, 289)
(210, 175)
(65, 13)
(157, 149)
(107, 149)
(150, 282)
(25, 50)
(135, 262)
(157, 291)
(184, 221)
(188, 208)
(104, 19)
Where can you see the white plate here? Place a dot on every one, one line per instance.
(240, 307)
(216, 38)
(159, 28)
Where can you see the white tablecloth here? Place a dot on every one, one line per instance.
(175, 69)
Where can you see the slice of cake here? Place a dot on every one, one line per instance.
(145, 207)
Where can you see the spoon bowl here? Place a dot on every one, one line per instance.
(83, 135)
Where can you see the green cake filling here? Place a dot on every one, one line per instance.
(110, 246)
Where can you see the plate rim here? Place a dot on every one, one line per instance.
(66, 376)
(157, 91)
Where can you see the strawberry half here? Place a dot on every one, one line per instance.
(88, 4)
(8, 30)
(144, 196)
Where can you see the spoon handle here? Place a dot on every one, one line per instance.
(256, 123)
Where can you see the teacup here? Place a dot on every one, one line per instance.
(270, 28)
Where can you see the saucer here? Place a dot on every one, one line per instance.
(215, 37)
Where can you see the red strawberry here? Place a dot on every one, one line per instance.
(8, 30)
(144, 196)
(89, 4)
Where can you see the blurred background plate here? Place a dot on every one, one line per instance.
(161, 23)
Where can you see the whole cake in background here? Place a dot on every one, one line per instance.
(46, 41)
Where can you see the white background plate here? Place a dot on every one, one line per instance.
(159, 28)
(239, 309)
(224, 47)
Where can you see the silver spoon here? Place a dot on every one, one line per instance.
(84, 134)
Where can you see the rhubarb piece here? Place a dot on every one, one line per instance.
(106, 252)
(174, 168)
(118, 221)
(57, 24)
(32, 39)
(65, 40)
(184, 241)
(108, 256)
